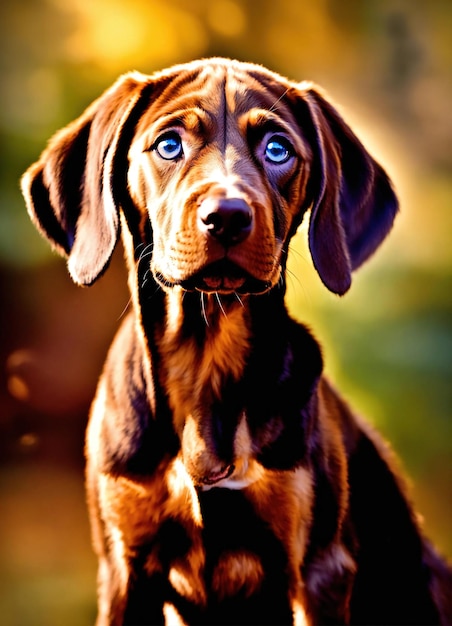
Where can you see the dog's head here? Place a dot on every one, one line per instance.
(219, 160)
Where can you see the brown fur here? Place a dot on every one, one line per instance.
(227, 480)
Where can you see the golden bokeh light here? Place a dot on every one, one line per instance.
(135, 34)
(227, 18)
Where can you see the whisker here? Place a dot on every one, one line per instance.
(139, 246)
(147, 251)
(217, 296)
(302, 286)
(145, 277)
(123, 312)
(239, 299)
(156, 290)
(294, 277)
(293, 250)
(203, 308)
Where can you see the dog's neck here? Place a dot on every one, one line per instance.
(203, 347)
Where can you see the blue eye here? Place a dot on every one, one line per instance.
(169, 147)
(278, 150)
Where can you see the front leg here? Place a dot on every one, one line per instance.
(113, 572)
(111, 596)
(147, 534)
(129, 592)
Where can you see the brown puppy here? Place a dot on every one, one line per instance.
(227, 481)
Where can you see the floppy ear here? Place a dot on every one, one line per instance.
(353, 204)
(71, 191)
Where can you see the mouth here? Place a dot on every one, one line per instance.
(225, 277)
(215, 477)
(235, 476)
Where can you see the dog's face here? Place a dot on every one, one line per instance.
(220, 160)
(221, 171)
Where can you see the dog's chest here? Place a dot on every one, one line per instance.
(219, 551)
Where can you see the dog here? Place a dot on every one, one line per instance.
(227, 481)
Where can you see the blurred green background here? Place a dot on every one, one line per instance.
(387, 344)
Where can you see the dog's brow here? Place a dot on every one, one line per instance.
(262, 118)
(190, 119)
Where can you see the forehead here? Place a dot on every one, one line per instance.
(220, 89)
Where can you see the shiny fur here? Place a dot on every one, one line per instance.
(228, 482)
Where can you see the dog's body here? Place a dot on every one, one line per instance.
(227, 480)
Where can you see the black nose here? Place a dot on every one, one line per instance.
(227, 219)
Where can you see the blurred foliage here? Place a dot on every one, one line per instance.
(388, 343)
